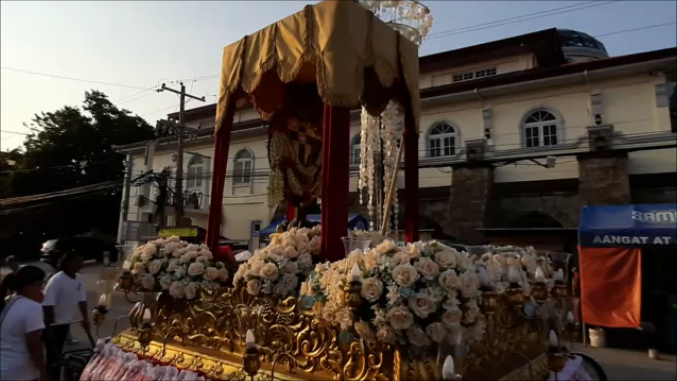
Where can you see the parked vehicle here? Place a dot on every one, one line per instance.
(91, 248)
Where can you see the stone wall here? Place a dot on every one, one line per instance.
(469, 201)
(475, 202)
(565, 208)
(604, 179)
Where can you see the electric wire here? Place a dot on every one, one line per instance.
(519, 143)
(510, 21)
(512, 18)
(572, 140)
(13, 132)
(61, 193)
(71, 78)
(93, 194)
(635, 29)
(488, 25)
(83, 166)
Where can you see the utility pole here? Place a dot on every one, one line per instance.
(125, 199)
(179, 145)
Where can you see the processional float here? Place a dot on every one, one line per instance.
(319, 303)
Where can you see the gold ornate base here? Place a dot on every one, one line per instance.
(214, 365)
(217, 365)
(211, 332)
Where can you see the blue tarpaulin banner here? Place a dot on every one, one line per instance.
(628, 225)
(355, 221)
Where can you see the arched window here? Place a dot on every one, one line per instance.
(442, 140)
(243, 167)
(540, 129)
(195, 172)
(355, 150)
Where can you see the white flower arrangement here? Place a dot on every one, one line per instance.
(280, 267)
(174, 266)
(419, 294)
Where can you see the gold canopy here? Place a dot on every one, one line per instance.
(352, 56)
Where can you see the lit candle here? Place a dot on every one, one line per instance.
(554, 341)
(570, 317)
(559, 275)
(513, 275)
(249, 340)
(539, 275)
(484, 278)
(448, 368)
(355, 273)
(146, 315)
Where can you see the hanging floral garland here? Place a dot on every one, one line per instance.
(385, 129)
(369, 144)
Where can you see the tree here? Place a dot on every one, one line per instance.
(9, 161)
(163, 129)
(81, 144)
(73, 147)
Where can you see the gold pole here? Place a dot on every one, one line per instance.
(391, 188)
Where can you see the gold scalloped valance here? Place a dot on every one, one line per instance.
(353, 58)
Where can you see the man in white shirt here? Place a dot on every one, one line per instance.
(64, 294)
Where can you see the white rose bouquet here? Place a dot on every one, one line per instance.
(417, 294)
(280, 267)
(174, 266)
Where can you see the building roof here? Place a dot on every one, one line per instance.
(429, 63)
(543, 73)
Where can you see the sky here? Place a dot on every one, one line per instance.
(139, 44)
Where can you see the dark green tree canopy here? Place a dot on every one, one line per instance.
(69, 148)
(81, 142)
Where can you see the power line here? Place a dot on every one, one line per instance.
(6, 211)
(57, 167)
(490, 24)
(148, 90)
(519, 144)
(522, 18)
(636, 29)
(420, 150)
(66, 192)
(71, 79)
(14, 132)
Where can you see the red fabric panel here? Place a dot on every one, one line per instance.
(335, 176)
(225, 254)
(410, 182)
(291, 212)
(611, 286)
(221, 146)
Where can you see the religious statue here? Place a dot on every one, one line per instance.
(294, 151)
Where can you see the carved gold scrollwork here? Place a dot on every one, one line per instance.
(216, 321)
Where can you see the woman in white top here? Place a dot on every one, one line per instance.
(21, 354)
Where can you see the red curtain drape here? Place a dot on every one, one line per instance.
(221, 147)
(335, 176)
(611, 286)
(290, 212)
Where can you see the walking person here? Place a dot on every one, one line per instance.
(64, 294)
(21, 325)
(13, 266)
(12, 263)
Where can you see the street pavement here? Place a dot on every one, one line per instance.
(620, 365)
